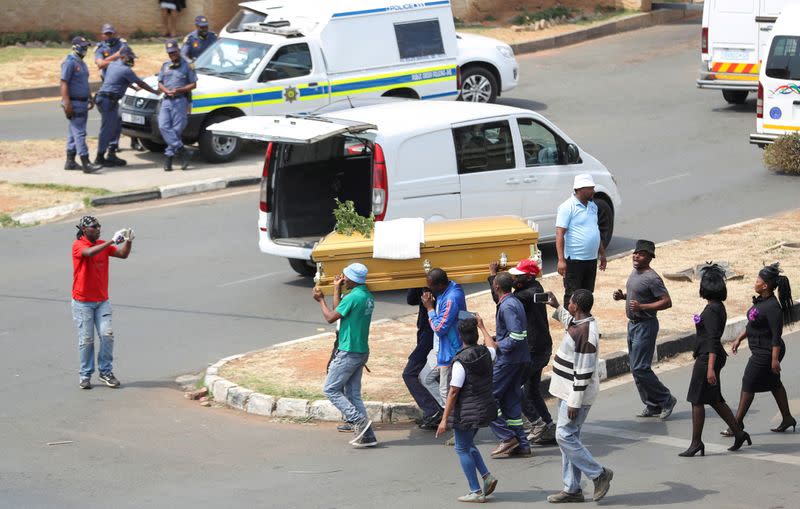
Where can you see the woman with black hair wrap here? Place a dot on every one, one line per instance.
(764, 333)
(704, 387)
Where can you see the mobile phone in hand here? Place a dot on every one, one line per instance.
(541, 298)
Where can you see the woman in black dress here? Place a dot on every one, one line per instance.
(704, 388)
(764, 333)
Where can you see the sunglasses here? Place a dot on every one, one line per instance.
(95, 226)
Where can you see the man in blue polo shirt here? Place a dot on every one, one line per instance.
(578, 238)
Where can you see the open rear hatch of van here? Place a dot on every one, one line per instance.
(312, 162)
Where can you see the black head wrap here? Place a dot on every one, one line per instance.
(83, 223)
(712, 282)
(771, 275)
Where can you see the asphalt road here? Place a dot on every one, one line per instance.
(196, 289)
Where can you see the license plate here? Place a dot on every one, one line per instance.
(133, 119)
(733, 55)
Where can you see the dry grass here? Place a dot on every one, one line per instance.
(16, 198)
(300, 369)
(41, 67)
(26, 153)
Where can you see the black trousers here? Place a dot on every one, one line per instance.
(580, 274)
(533, 404)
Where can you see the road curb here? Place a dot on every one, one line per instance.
(662, 13)
(169, 191)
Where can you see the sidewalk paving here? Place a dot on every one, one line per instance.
(144, 171)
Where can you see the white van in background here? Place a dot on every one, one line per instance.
(435, 160)
(734, 37)
(778, 107)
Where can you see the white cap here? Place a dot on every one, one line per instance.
(583, 180)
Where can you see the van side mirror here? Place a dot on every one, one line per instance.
(268, 74)
(573, 154)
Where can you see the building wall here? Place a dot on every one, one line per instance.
(125, 15)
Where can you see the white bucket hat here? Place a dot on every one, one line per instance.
(583, 180)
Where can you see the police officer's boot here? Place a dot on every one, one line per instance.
(71, 164)
(168, 163)
(87, 165)
(112, 159)
(100, 160)
(186, 157)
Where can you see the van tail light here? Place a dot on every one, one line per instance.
(263, 200)
(704, 41)
(380, 183)
(760, 102)
(458, 78)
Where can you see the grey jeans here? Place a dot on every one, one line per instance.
(343, 385)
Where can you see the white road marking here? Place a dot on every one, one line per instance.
(668, 179)
(744, 452)
(254, 278)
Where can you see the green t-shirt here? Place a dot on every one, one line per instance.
(356, 310)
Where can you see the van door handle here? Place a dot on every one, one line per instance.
(314, 84)
(512, 181)
(530, 178)
(796, 103)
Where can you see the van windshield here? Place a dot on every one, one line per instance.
(784, 60)
(231, 59)
(242, 17)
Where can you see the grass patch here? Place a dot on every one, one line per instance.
(65, 188)
(265, 387)
(603, 13)
(7, 222)
(526, 18)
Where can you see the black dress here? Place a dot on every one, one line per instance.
(709, 332)
(764, 331)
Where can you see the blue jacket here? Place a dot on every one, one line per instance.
(512, 332)
(444, 322)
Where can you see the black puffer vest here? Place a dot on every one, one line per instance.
(475, 407)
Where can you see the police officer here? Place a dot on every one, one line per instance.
(198, 40)
(176, 80)
(76, 101)
(108, 50)
(119, 76)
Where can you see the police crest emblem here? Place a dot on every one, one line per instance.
(290, 94)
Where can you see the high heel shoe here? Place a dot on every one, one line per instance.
(785, 425)
(691, 451)
(741, 439)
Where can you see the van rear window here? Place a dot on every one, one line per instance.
(784, 61)
(419, 39)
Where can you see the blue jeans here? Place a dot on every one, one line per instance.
(89, 316)
(575, 457)
(641, 346)
(470, 457)
(343, 385)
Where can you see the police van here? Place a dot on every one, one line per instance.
(734, 37)
(297, 59)
(778, 105)
(405, 158)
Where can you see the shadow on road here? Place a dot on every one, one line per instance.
(675, 493)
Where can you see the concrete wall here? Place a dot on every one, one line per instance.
(126, 15)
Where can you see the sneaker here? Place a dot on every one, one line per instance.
(432, 422)
(368, 439)
(547, 436)
(602, 484)
(505, 447)
(649, 412)
(85, 383)
(520, 452)
(489, 484)
(536, 431)
(474, 498)
(527, 425)
(109, 379)
(359, 428)
(345, 428)
(562, 497)
(667, 411)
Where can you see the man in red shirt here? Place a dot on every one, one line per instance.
(90, 307)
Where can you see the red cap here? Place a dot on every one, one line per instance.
(526, 266)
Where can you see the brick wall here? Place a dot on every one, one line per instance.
(126, 15)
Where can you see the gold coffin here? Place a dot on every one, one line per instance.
(463, 247)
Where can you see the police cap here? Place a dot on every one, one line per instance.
(81, 41)
(126, 51)
(201, 21)
(172, 46)
(108, 28)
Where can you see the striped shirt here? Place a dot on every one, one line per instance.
(575, 378)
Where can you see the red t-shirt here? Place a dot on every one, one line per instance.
(90, 273)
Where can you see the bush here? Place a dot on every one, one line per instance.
(784, 154)
(527, 18)
(144, 34)
(83, 33)
(46, 35)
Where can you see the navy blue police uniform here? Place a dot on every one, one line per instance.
(75, 74)
(119, 76)
(197, 42)
(174, 113)
(105, 49)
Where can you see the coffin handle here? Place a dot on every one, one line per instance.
(426, 265)
(503, 260)
(320, 273)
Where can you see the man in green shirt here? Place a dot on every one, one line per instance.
(343, 384)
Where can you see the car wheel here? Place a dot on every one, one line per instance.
(215, 148)
(605, 220)
(478, 85)
(152, 146)
(305, 268)
(735, 96)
